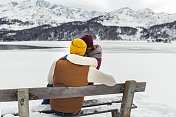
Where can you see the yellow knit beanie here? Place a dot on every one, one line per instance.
(78, 46)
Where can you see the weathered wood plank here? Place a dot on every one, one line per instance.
(98, 102)
(90, 111)
(23, 102)
(87, 103)
(99, 109)
(64, 92)
(127, 99)
(8, 95)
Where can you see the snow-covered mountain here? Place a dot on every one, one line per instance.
(46, 20)
(39, 12)
(17, 15)
(134, 18)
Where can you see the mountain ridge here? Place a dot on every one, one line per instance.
(42, 12)
(42, 20)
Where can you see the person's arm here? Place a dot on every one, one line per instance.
(97, 76)
(82, 60)
(51, 73)
(99, 63)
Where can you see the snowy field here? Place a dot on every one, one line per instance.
(154, 63)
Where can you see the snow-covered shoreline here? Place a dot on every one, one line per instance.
(153, 63)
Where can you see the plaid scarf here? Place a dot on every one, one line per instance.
(97, 53)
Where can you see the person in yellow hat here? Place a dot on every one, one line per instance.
(78, 47)
(75, 71)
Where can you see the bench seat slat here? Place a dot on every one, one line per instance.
(94, 110)
(97, 103)
(102, 101)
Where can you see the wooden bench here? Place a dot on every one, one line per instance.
(101, 106)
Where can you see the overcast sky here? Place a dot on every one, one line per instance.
(167, 6)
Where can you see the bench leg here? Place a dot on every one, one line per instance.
(114, 114)
(127, 98)
(23, 102)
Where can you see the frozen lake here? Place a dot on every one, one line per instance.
(154, 63)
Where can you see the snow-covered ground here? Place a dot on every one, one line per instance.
(154, 63)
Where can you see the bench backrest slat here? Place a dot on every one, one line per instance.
(64, 92)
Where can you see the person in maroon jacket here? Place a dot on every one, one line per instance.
(92, 50)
